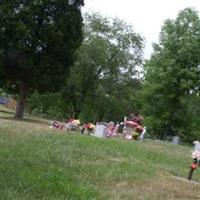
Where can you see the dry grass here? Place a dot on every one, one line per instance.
(160, 187)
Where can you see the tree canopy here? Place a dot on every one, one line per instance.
(38, 40)
(104, 77)
(104, 85)
(103, 81)
(172, 77)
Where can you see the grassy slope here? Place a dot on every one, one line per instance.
(40, 163)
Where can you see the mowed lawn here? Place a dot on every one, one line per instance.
(37, 162)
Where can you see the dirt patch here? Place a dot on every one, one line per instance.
(160, 188)
(186, 180)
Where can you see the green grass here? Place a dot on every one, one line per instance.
(40, 163)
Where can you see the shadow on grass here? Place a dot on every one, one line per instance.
(28, 120)
(7, 112)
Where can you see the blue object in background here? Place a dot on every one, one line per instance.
(3, 100)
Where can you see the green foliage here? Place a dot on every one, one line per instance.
(103, 80)
(172, 78)
(49, 105)
(2, 93)
(38, 40)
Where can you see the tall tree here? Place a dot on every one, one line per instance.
(107, 61)
(172, 75)
(38, 40)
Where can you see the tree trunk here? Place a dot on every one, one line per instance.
(23, 92)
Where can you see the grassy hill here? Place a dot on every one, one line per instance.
(37, 162)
